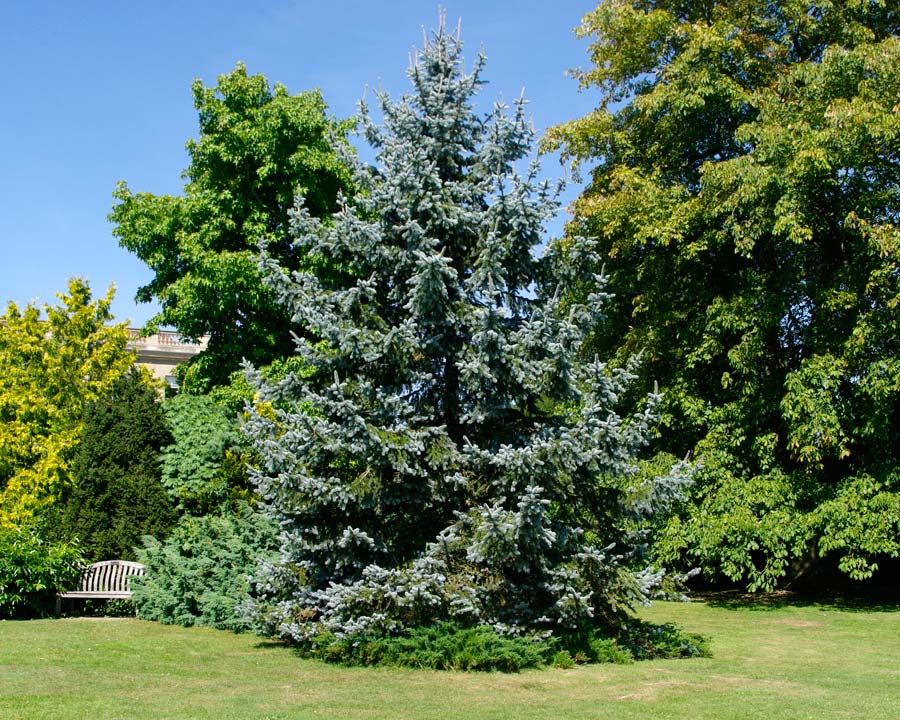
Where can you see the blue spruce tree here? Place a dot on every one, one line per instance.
(447, 455)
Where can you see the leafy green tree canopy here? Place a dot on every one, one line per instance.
(50, 366)
(204, 467)
(446, 457)
(745, 193)
(258, 145)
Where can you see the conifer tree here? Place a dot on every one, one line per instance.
(116, 495)
(449, 457)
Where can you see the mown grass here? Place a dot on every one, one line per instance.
(786, 662)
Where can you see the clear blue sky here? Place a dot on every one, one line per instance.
(96, 92)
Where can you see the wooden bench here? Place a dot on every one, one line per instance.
(108, 579)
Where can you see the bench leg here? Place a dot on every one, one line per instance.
(58, 608)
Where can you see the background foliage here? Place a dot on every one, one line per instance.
(258, 145)
(31, 572)
(49, 368)
(199, 574)
(205, 465)
(744, 190)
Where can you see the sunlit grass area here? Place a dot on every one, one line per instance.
(814, 661)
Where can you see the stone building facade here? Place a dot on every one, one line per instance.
(162, 352)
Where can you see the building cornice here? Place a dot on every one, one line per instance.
(165, 345)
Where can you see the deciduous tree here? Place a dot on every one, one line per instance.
(258, 144)
(50, 366)
(745, 192)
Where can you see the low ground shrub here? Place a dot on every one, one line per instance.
(648, 641)
(32, 570)
(443, 646)
(637, 640)
(446, 646)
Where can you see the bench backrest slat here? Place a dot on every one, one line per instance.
(109, 576)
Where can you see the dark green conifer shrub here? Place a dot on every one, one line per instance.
(443, 646)
(449, 646)
(116, 495)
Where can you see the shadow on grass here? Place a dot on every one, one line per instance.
(273, 645)
(848, 600)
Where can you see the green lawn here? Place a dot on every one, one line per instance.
(780, 663)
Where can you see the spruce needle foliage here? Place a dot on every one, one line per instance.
(447, 458)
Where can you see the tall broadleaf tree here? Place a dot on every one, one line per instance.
(257, 145)
(447, 458)
(53, 360)
(745, 193)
